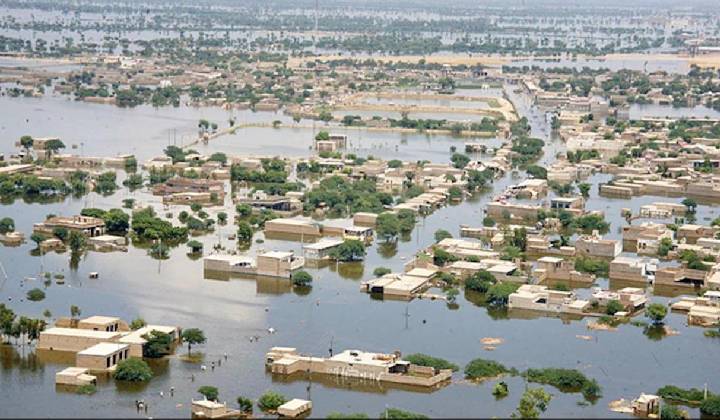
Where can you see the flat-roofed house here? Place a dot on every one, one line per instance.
(229, 264)
(321, 250)
(629, 269)
(102, 356)
(358, 364)
(595, 246)
(555, 268)
(539, 298)
(103, 323)
(74, 339)
(205, 409)
(75, 376)
(88, 226)
(278, 264)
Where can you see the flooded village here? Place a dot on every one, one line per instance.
(269, 211)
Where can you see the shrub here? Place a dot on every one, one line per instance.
(35, 295)
(245, 404)
(672, 412)
(133, 370)
(441, 234)
(499, 293)
(481, 277)
(88, 389)
(614, 307)
(396, 413)
(270, 401)
(435, 362)
(479, 369)
(656, 312)
(674, 393)
(302, 278)
(336, 415)
(500, 390)
(209, 392)
(711, 406)
(381, 271)
(566, 380)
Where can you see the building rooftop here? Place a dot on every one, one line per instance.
(364, 358)
(78, 332)
(324, 244)
(100, 320)
(103, 349)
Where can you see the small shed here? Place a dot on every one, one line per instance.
(294, 407)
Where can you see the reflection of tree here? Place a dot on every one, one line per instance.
(302, 290)
(387, 249)
(75, 260)
(493, 311)
(353, 270)
(655, 332)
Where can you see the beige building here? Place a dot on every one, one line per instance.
(278, 264)
(74, 376)
(629, 269)
(357, 364)
(89, 226)
(559, 269)
(595, 246)
(205, 409)
(102, 356)
(294, 408)
(403, 286)
(539, 298)
(74, 339)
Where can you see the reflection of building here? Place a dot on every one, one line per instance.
(333, 143)
(357, 364)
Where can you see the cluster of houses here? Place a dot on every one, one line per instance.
(98, 344)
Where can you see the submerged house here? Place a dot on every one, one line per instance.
(271, 264)
(539, 298)
(88, 226)
(379, 367)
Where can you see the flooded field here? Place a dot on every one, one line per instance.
(334, 313)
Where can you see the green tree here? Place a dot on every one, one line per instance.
(584, 188)
(387, 226)
(133, 370)
(690, 204)
(500, 390)
(209, 392)
(302, 278)
(37, 238)
(459, 160)
(479, 369)
(656, 312)
(498, 294)
(349, 250)
(60, 233)
(195, 246)
(488, 222)
(673, 412)
(613, 307)
(77, 241)
(244, 232)
(536, 171)
(158, 344)
(430, 361)
(137, 323)
(26, 142)
(243, 210)
(52, 146)
(441, 234)
(6, 225)
(711, 406)
(75, 312)
(533, 402)
(270, 401)
(245, 405)
(193, 336)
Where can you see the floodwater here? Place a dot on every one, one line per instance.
(334, 313)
